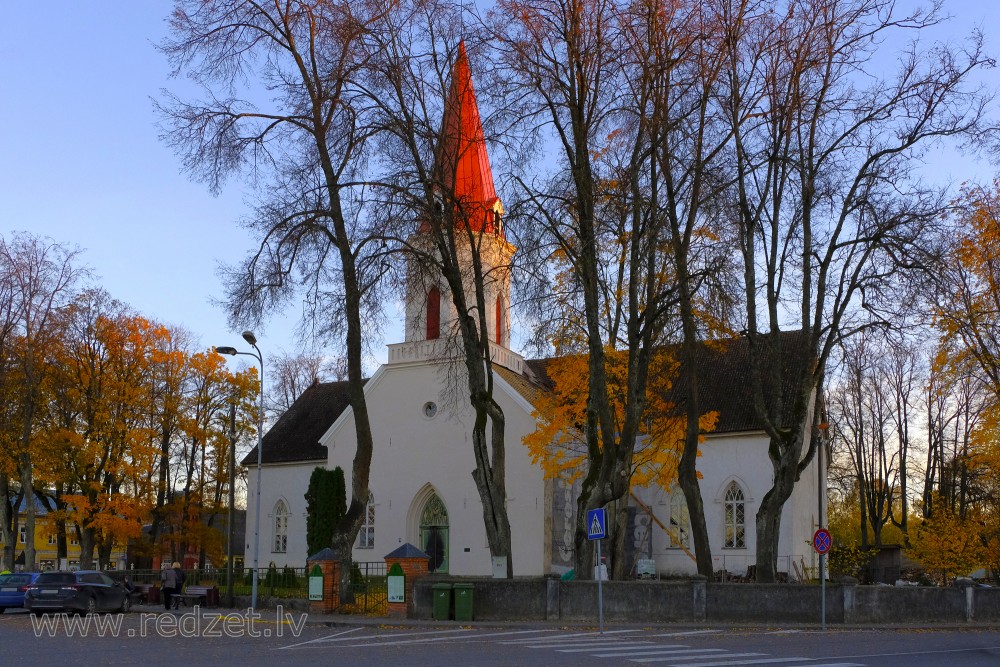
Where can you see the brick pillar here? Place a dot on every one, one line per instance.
(331, 582)
(415, 565)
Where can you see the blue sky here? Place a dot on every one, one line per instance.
(82, 163)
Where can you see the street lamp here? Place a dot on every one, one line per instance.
(232, 351)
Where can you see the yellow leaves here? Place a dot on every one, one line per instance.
(949, 543)
(558, 443)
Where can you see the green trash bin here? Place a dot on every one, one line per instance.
(463, 602)
(442, 601)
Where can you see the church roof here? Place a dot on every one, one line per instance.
(461, 160)
(724, 381)
(295, 436)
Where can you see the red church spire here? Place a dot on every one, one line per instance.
(463, 165)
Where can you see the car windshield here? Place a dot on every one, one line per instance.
(4, 577)
(56, 578)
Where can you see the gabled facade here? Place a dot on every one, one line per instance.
(421, 472)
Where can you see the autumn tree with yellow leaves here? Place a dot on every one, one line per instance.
(558, 445)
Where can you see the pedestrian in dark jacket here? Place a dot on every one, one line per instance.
(179, 574)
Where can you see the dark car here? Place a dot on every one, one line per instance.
(84, 591)
(12, 588)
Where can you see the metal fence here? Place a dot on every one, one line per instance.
(368, 584)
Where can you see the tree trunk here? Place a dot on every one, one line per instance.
(9, 519)
(87, 548)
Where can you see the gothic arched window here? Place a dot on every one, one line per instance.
(680, 520)
(735, 509)
(280, 516)
(366, 536)
(433, 313)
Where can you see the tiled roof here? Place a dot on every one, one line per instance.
(295, 437)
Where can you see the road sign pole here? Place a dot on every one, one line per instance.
(597, 529)
(822, 542)
(600, 591)
(822, 581)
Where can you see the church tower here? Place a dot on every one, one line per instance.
(463, 174)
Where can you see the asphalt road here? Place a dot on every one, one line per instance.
(186, 639)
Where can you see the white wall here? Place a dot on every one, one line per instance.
(289, 482)
(741, 458)
(413, 453)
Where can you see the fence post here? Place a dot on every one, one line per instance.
(699, 598)
(330, 567)
(415, 564)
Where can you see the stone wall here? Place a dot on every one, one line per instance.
(695, 600)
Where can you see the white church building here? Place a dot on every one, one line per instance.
(422, 490)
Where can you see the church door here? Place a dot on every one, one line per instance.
(434, 534)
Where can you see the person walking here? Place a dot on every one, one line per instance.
(179, 574)
(168, 584)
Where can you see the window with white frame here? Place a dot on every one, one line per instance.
(280, 516)
(366, 536)
(52, 538)
(22, 534)
(680, 521)
(735, 516)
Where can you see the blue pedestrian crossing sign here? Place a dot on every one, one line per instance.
(597, 524)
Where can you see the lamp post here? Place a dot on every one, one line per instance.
(232, 351)
(231, 517)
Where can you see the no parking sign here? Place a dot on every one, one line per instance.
(822, 541)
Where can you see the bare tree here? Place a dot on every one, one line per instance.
(827, 197)
(304, 145)
(443, 210)
(595, 75)
(292, 374)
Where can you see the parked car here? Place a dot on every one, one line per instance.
(12, 588)
(87, 591)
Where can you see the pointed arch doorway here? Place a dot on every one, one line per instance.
(434, 533)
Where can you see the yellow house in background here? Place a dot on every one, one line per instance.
(45, 545)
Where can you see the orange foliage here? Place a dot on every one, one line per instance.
(558, 445)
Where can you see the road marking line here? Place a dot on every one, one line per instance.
(689, 632)
(706, 657)
(323, 639)
(338, 638)
(472, 636)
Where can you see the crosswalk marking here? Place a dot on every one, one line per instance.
(675, 652)
(616, 645)
(644, 660)
(725, 663)
(636, 645)
(588, 645)
(637, 658)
